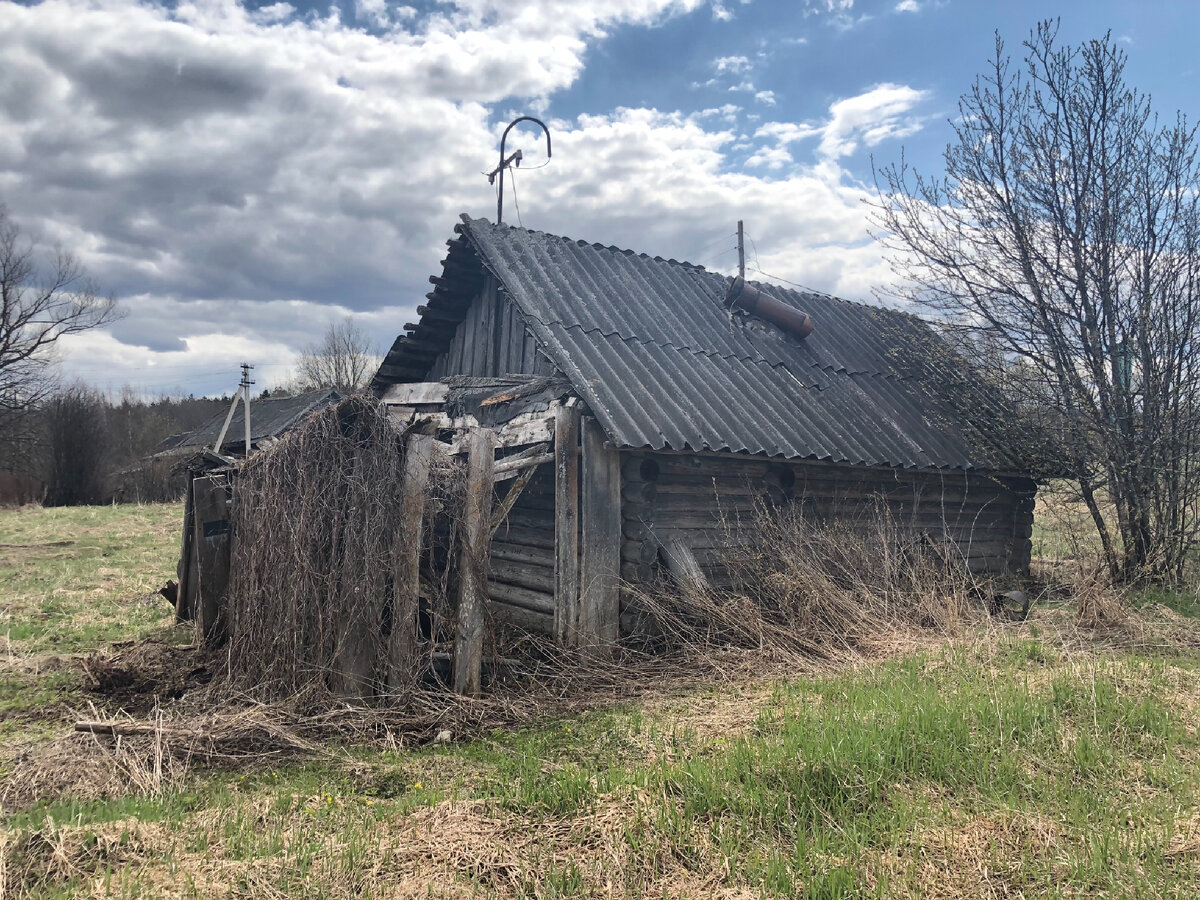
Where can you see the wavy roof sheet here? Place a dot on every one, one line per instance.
(269, 418)
(651, 347)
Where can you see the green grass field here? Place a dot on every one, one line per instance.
(1003, 762)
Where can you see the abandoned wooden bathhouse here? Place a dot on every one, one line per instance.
(621, 410)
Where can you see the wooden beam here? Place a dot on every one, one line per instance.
(566, 525)
(415, 393)
(472, 583)
(600, 550)
(406, 582)
(510, 498)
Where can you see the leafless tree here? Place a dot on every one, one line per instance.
(77, 445)
(1067, 232)
(342, 359)
(39, 304)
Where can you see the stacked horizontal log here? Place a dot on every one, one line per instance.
(521, 567)
(710, 504)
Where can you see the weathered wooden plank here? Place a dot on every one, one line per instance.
(406, 580)
(600, 547)
(471, 348)
(534, 456)
(486, 363)
(415, 393)
(510, 499)
(472, 584)
(528, 351)
(185, 571)
(566, 525)
(503, 330)
(682, 565)
(213, 539)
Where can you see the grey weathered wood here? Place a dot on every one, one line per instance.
(415, 393)
(510, 499)
(508, 468)
(528, 598)
(566, 524)
(644, 552)
(486, 353)
(507, 571)
(600, 546)
(683, 566)
(406, 581)
(213, 540)
(526, 619)
(472, 584)
(185, 571)
(533, 557)
(540, 536)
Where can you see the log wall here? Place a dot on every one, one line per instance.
(491, 340)
(521, 562)
(699, 500)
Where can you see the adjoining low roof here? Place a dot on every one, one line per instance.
(269, 418)
(661, 361)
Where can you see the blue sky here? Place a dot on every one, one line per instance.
(241, 174)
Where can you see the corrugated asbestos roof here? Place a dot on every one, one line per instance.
(269, 417)
(662, 363)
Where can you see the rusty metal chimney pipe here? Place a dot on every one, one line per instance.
(749, 298)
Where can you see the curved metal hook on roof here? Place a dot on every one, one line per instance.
(504, 163)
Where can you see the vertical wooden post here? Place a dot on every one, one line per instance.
(212, 538)
(406, 580)
(185, 598)
(566, 525)
(472, 581)
(600, 556)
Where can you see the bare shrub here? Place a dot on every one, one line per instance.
(1098, 602)
(317, 525)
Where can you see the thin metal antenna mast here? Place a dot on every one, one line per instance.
(741, 253)
(516, 157)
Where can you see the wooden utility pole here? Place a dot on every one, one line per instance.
(246, 382)
(243, 394)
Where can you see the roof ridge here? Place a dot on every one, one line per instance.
(595, 245)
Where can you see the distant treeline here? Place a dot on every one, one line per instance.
(79, 446)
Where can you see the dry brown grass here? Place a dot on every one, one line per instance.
(815, 591)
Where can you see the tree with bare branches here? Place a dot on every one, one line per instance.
(1066, 233)
(342, 359)
(43, 298)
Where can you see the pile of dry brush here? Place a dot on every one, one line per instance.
(820, 590)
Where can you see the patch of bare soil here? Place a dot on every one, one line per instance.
(139, 677)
